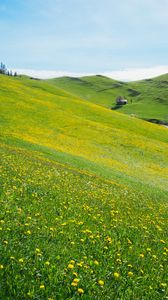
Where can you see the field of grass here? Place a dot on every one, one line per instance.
(83, 198)
(147, 99)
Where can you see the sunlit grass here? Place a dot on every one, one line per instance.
(83, 199)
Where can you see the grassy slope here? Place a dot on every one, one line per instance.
(83, 195)
(149, 97)
(90, 136)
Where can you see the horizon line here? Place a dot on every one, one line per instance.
(129, 74)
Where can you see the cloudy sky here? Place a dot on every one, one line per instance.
(124, 39)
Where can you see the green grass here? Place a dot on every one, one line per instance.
(83, 198)
(149, 97)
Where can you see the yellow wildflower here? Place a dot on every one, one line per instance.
(116, 275)
(80, 291)
(101, 282)
(70, 266)
(76, 280)
(163, 284)
(42, 286)
(130, 274)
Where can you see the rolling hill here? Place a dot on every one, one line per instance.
(147, 99)
(83, 195)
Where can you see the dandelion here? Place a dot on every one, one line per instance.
(37, 250)
(129, 242)
(116, 275)
(70, 266)
(101, 282)
(109, 239)
(148, 249)
(80, 291)
(28, 232)
(130, 274)
(80, 264)
(42, 286)
(163, 284)
(76, 280)
(21, 260)
(1, 267)
(141, 255)
(72, 262)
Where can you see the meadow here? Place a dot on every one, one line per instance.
(147, 99)
(83, 198)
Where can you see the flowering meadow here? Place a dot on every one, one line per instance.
(65, 234)
(83, 199)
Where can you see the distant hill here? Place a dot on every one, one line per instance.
(147, 99)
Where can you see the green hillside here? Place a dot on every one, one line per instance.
(147, 99)
(83, 197)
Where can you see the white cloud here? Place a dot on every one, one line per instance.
(125, 75)
(137, 74)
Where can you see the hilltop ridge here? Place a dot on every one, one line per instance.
(147, 99)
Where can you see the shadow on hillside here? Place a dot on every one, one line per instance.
(116, 107)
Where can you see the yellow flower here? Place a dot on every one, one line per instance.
(101, 282)
(6, 242)
(80, 291)
(80, 264)
(42, 286)
(74, 283)
(47, 263)
(37, 250)
(21, 260)
(129, 241)
(163, 284)
(1, 266)
(148, 249)
(72, 262)
(70, 266)
(109, 239)
(130, 274)
(76, 280)
(116, 275)
(28, 232)
(96, 262)
(141, 255)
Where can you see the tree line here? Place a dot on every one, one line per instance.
(5, 71)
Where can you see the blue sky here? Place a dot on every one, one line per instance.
(84, 36)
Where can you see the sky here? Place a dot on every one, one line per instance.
(126, 39)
